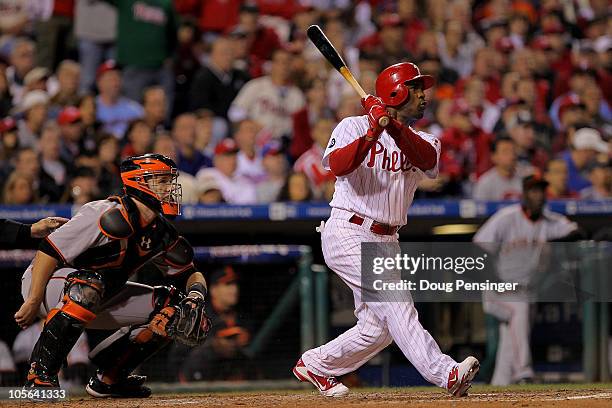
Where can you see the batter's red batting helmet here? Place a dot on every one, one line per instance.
(392, 82)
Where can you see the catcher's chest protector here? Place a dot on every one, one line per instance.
(129, 245)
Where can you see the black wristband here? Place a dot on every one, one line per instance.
(199, 288)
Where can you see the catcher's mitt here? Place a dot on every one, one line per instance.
(191, 325)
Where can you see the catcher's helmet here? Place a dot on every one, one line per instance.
(391, 84)
(153, 179)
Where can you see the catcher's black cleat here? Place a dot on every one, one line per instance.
(130, 387)
(39, 378)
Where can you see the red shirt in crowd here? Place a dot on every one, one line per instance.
(464, 155)
(63, 8)
(213, 15)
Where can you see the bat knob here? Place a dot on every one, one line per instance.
(384, 121)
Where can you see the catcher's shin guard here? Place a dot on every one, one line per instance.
(127, 348)
(63, 327)
(55, 342)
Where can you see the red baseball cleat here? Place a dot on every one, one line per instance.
(327, 386)
(461, 376)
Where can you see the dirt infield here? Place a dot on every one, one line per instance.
(591, 396)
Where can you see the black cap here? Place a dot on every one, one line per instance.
(534, 181)
(225, 275)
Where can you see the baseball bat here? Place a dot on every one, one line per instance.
(320, 40)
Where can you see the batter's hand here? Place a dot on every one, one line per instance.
(376, 110)
(46, 226)
(371, 100)
(27, 313)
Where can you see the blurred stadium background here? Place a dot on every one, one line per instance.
(84, 83)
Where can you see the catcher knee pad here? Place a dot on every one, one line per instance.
(82, 295)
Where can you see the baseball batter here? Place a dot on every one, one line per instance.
(518, 230)
(377, 174)
(78, 279)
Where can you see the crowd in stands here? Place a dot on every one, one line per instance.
(235, 93)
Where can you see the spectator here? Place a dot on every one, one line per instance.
(190, 160)
(275, 165)
(336, 31)
(68, 77)
(36, 80)
(270, 100)
(21, 62)
(83, 187)
(155, 108)
(214, 16)
(91, 125)
(503, 181)
(556, 176)
(146, 40)
(235, 189)
(316, 107)
(457, 48)
(600, 176)
(71, 126)
(209, 190)
(387, 44)
(222, 356)
(217, 83)
(310, 162)
(295, 189)
(54, 34)
(9, 140)
(466, 152)
(597, 109)
(50, 149)
(95, 28)
(206, 137)
(577, 81)
(139, 139)
(6, 100)
(113, 110)
(18, 190)
(188, 58)
(34, 108)
(14, 19)
(586, 145)
(260, 41)
(109, 178)
(249, 160)
(27, 162)
(165, 145)
(521, 129)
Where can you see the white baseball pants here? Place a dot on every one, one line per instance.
(378, 323)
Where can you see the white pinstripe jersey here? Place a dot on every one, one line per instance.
(383, 186)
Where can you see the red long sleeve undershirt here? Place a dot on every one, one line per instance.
(345, 159)
(419, 152)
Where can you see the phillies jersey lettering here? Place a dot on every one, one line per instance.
(383, 186)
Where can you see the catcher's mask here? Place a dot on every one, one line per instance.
(153, 179)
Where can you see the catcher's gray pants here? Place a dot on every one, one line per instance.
(132, 305)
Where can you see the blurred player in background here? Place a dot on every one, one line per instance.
(519, 229)
(377, 172)
(78, 279)
(222, 356)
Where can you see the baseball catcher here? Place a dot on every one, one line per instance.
(79, 279)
